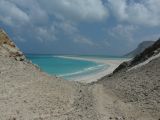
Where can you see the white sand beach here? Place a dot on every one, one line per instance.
(113, 64)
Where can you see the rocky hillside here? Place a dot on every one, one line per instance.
(143, 56)
(147, 53)
(140, 48)
(8, 48)
(137, 82)
(26, 93)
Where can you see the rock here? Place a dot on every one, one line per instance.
(110, 118)
(13, 118)
(8, 48)
(121, 66)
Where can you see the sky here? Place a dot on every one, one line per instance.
(99, 27)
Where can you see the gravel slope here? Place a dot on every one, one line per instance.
(140, 87)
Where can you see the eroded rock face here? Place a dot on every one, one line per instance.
(8, 48)
(121, 66)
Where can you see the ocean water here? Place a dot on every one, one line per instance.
(66, 68)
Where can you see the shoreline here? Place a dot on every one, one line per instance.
(113, 64)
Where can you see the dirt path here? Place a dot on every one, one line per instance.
(109, 107)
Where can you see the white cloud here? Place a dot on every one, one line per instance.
(122, 32)
(72, 32)
(67, 27)
(12, 11)
(145, 12)
(45, 33)
(39, 17)
(83, 40)
(36, 14)
(88, 10)
(10, 14)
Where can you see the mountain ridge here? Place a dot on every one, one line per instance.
(141, 57)
(140, 48)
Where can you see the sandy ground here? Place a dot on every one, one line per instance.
(113, 64)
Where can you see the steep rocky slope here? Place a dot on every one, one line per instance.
(8, 48)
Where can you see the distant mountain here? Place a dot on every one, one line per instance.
(140, 48)
(147, 53)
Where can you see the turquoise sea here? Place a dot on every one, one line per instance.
(67, 68)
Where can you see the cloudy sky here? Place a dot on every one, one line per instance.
(112, 27)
